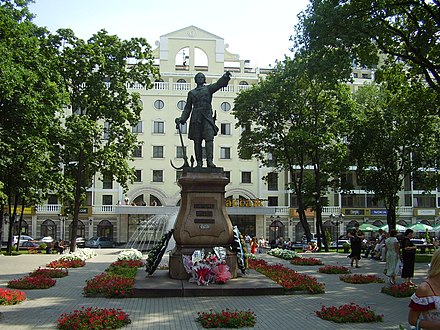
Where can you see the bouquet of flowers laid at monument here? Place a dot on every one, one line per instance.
(209, 269)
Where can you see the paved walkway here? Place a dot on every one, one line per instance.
(43, 307)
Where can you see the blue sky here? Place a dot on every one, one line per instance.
(257, 30)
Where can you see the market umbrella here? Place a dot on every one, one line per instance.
(419, 227)
(368, 227)
(398, 228)
(436, 228)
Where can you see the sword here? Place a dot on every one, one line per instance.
(185, 157)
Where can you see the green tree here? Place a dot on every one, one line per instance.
(361, 30)
(394, 135)
(297, 119)
(29, 103)
(98, 137)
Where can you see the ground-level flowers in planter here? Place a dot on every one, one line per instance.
(361, 279)
(349, 313)
(11, 297)
(50, 272)
(227, 319)
(93, 319)
(289, 279)
(305, 261)
(283, 253)
(32, 282)
(109, 285)
(67, 262)
(399, 290)
(330, 269)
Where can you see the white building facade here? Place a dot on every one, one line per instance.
(257, 207)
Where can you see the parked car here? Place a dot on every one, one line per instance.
(23, 239)
(47, 239)
(29, 245)
(340, 243)
(80, 242)
(99, 242)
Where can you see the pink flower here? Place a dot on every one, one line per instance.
(203, 272)
(222, 273)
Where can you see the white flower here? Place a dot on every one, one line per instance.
(130, 254)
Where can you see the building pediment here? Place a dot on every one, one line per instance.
(191, 32)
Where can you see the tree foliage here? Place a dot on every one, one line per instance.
(298, 120)
(98, 137)
(394, 135)
(29, 104)
(406, 31)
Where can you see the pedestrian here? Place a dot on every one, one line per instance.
(392, 256)
(356, 236)
(424, 312)
(254, 245)
(408, 256)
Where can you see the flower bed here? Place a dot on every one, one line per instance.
(93, 319)
(32, 282)
(117, 282)
(361, 279)
(83, 254)
(110, 286)
(226, 319)
(11, 297)
(282, 253)
(305, 261)
(329, 269)
(399, 290)
(289, 279)
(50, 272)
(349, 313)
(130, 254)
(67, 262)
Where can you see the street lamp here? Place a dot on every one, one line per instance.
(337, 223)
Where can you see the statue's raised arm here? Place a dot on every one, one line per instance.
(202, 123)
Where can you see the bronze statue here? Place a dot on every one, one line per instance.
(202, 123)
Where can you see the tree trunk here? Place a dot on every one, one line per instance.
(304, 223)
(77, 203)
(391, 212)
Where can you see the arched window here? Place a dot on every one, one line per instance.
(49, 228)
(200, 59)
(24, 228)
(81, 230)
(105, 229)
(276, 229)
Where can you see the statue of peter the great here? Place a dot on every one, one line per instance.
(202, 125)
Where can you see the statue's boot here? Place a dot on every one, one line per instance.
(198, 152)
(209, 145)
